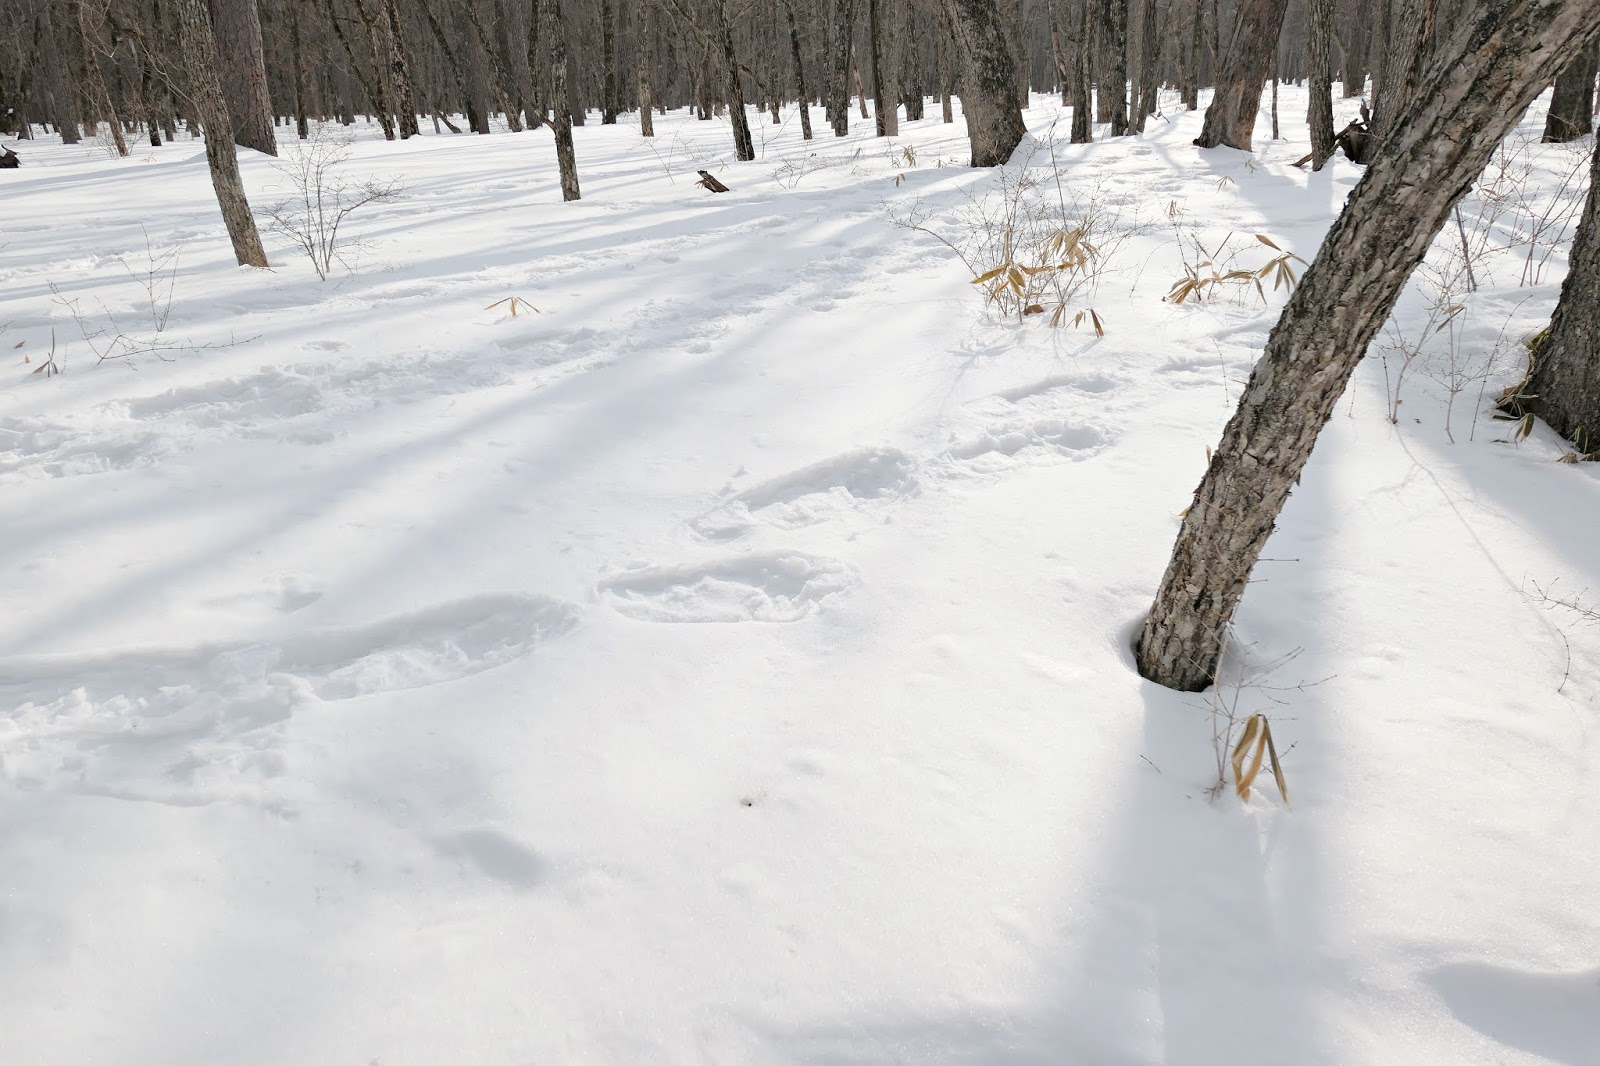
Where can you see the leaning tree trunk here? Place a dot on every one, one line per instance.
(1504, 52)
(799, 73)
(839, 66)
(1249, 62)
(1320, 70)
(1564, 387)
(989, 91)
(1572, 107)
(244, 74)
(744, 148)
(883, 99)
(561, 123)
(205, 97)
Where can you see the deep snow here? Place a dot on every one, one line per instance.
(353, 707)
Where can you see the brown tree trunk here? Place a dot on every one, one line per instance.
(1112, 48)
(1065, 83)
(1565, 383)
(1189, 69)
(400, 75)
(205, 96)
(1357, 41)
(799, 73)
(1320, 77)
(1082, 113)
(883, 97)
(237, 25)
(1572, 107)
(296, 56)
(1149, 64)
(1250, 60)
(989, 90)
(1408, 43)
(1503, 53)
(839, 66)
(608, 63)
(561, 123)
(744, 148)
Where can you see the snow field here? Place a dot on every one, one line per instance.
(729, 663)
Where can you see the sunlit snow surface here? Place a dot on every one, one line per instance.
(728, 664)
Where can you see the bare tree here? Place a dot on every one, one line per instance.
(1472, 93)
(237, 25)
(1320, 81)
(1564, 386)
(989, 99)
(1572, 106)
(1252, 51)
(205, 95)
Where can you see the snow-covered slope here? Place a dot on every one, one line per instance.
(729, 663)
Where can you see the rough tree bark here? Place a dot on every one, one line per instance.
(799, 73)
(1565, 383)
(1247, 64)
(1502, 53)
(561, 122)
(1082, 127)
(1320, 78)
(205, 97)
(237, 25)
(744, 147)
(884, 103)
(844, 12)
(609, 105)
(1572, 107)
(1112, 42)
(1408, 42)
(1149, 64)
(989, 90)
(400, 75)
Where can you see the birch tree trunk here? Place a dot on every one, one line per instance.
(205, 97)
(1502, 53)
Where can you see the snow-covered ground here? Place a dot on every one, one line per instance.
(730, 663)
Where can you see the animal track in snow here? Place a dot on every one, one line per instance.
(768, 587)
(194, 725)
(814, 493)
(1046, 440)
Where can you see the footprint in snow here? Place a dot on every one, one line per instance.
(814, 493)
(767, 587)
(189, 726)
(1002, 447)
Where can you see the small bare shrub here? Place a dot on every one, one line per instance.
(322, 198)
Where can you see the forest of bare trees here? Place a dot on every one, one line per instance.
(1442, 80)
(115, 68)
